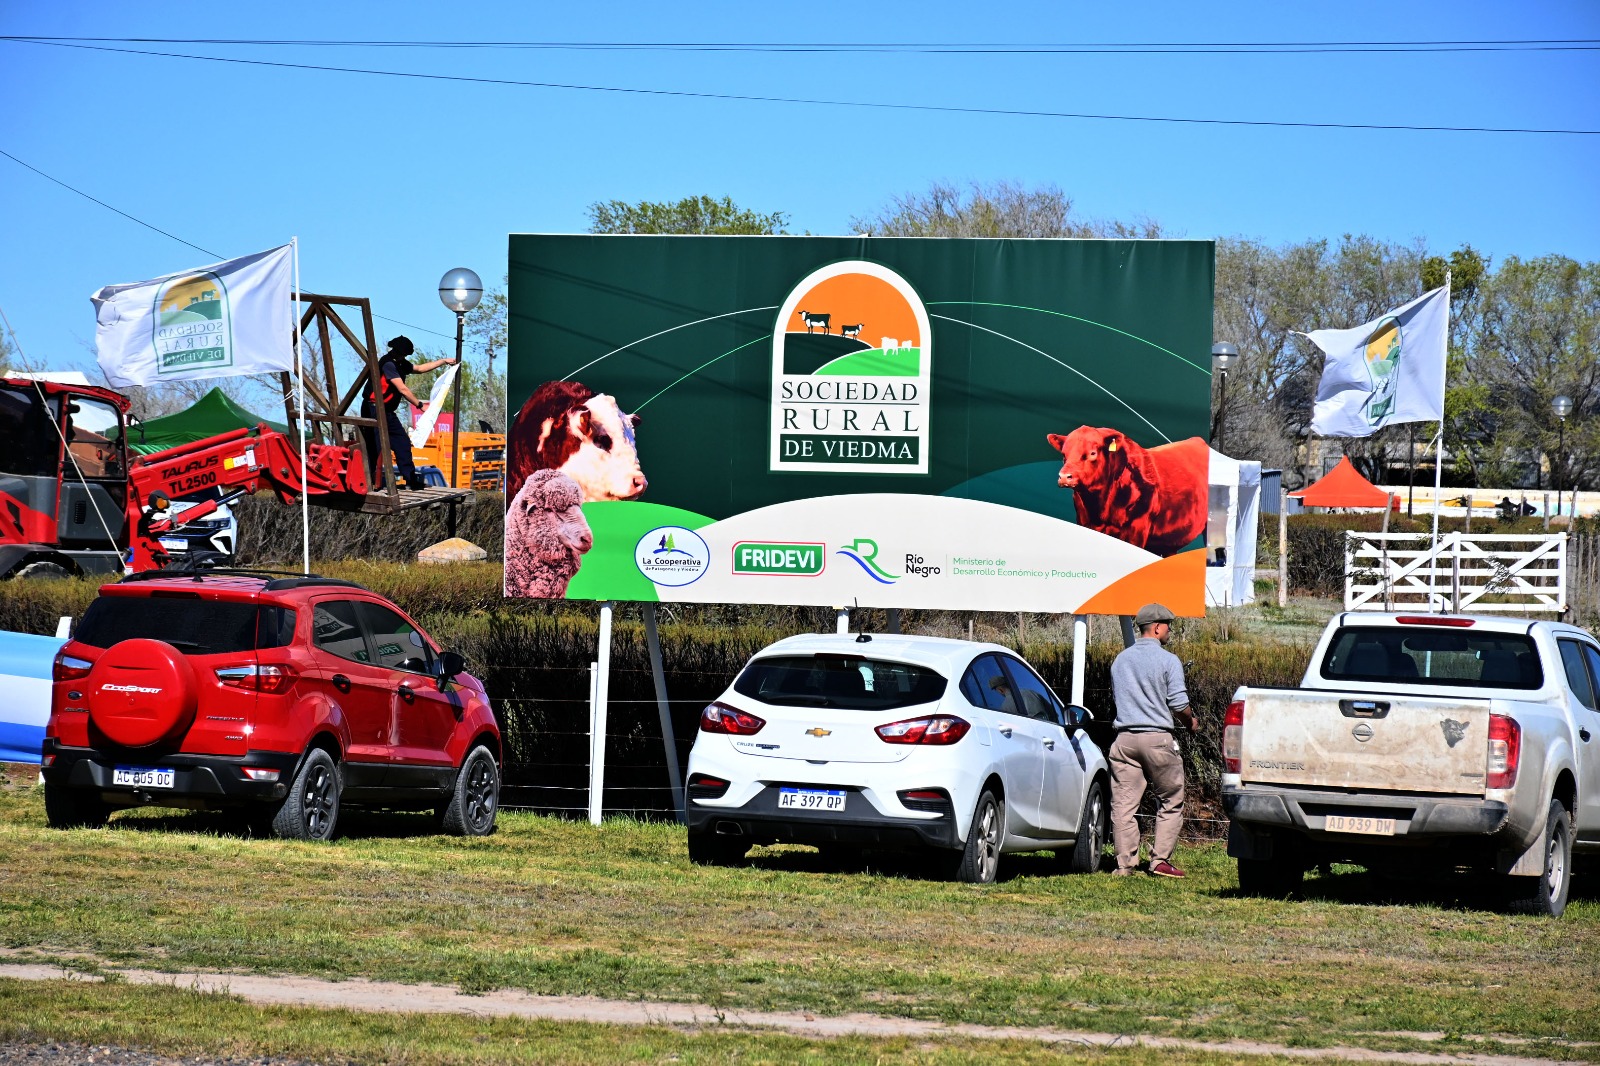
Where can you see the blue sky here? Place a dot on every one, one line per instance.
(388, 182)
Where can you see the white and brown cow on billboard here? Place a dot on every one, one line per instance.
(569, 427)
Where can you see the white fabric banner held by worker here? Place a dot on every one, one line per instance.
(430, 414)
(1389, 371)
(222, 320)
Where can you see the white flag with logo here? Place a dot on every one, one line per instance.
(218, 321)
(430, 414)
(1388, 371)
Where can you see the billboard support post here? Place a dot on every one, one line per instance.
(1080, 637)
(669, 740)
(842, 624)
(600, 694)
(894, 620)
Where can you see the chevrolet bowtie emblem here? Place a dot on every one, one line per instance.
(818, 731)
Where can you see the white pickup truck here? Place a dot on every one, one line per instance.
(1417, 742)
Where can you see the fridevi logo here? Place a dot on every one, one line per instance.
(193, 324)
(852, 357)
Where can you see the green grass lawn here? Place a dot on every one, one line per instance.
(557, 907)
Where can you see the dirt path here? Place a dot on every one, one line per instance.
(387, 997)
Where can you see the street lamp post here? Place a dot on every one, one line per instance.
(1222, 357)
(1562, 406)
(459, 290)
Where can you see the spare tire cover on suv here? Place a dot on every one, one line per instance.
(141, 691)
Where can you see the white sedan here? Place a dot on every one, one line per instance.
(896, 742)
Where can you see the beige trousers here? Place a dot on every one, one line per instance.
(1137, 758)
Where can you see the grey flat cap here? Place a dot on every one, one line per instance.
(1151, 613)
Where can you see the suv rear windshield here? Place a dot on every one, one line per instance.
(1433, 656)
(192, 625)
(852, 682)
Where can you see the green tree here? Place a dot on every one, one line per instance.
(1534, 338)
(999, 209)
(692, 214)
(487, 323)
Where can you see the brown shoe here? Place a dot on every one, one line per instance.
(1164, 869)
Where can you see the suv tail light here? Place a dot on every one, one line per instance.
(720, 718)
(1505, 745)
(69, 667)
(273, 680)
(933, 729)
(1232, 737)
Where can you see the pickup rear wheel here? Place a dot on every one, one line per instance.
(1279, 877)
(1547, 893)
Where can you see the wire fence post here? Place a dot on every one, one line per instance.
(1080, 637)
(669, 741)
(600, 689)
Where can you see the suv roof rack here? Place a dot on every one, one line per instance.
(276, 580)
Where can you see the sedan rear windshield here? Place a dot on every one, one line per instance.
(1433, 656)
(848, 681)
(192, 625)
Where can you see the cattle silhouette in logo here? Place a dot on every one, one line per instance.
(1152, 498)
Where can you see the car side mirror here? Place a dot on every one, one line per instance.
(1078, 717)
(450, 664)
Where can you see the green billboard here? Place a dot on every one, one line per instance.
(963, 424)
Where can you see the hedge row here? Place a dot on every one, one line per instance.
(270, 533)
(534, 658)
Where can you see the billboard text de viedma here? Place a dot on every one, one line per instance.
(889, 422)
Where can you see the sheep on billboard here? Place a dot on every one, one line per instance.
(891, 422)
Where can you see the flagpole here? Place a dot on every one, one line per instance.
(1438, 448)
(300, 422)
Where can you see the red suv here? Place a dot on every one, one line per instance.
(278, 697)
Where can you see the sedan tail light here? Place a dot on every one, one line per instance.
(1505, 746)
(720, 718)
(1232, 737)
(271, 679)
(69, 667)
(932, 729)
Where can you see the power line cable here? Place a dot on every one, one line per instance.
(746, 98)
(180, 240)
(909, 47)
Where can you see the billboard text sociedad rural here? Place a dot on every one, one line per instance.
(890, 422)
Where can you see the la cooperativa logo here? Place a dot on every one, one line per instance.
(672, 555)
(852, 357)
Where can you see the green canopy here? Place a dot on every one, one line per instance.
(210, 415)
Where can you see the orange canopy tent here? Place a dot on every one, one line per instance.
(1343, 487)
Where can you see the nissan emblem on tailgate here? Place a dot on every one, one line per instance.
(1362, 732)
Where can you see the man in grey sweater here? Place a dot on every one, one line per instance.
(1147, 682)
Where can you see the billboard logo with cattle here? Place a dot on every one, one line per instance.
(852, 356)
(193, 326)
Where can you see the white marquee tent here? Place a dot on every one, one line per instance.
(1235, 509)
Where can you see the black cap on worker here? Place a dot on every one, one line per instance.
(402, 346)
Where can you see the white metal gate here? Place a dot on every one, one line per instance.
(1477, 572)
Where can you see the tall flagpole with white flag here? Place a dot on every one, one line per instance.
(300, 422)
(1438, 459)
(1388, 371)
